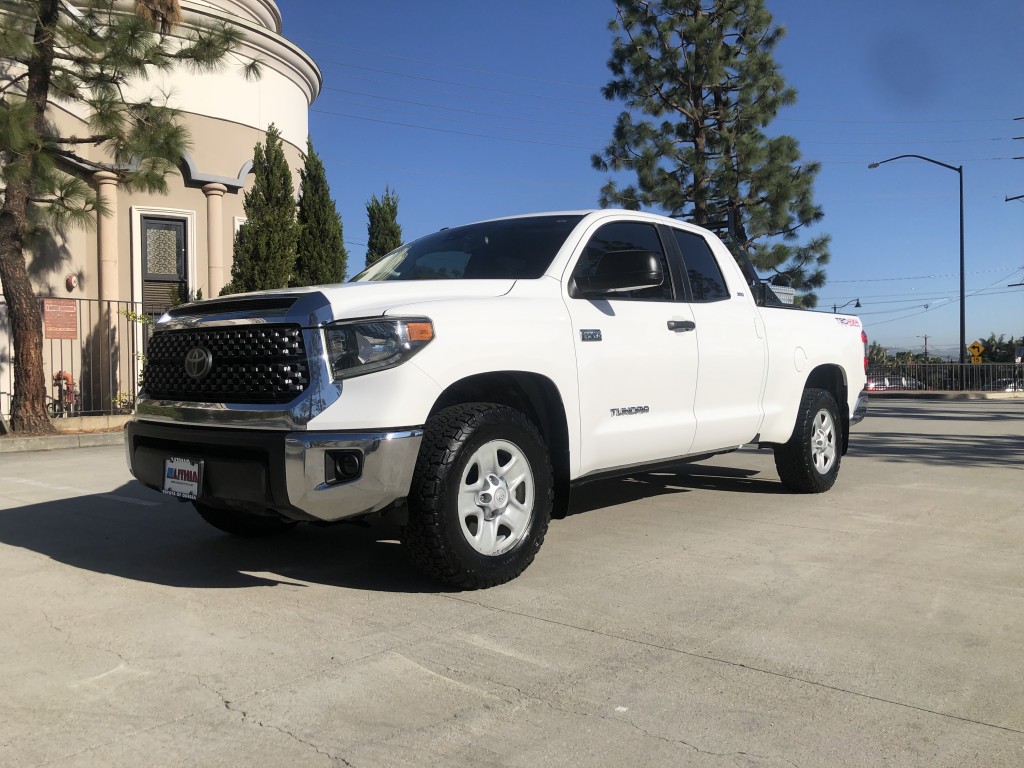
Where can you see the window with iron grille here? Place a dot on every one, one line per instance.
(164, 270)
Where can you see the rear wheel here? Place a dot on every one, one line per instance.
(481, 496)
(809, 462)
(245, 524)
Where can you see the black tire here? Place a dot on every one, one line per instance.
(245, 524)
(809, 462)
(484, 544)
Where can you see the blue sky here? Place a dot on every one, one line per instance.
(471, 110)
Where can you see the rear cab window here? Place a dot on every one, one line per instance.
(707, 283)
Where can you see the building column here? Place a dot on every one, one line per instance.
(106, 234)
(214, 237)
(102, 390)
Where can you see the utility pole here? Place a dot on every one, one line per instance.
(1016, 138)
(963, 305)
(925, 337)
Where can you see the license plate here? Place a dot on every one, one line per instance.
(183, 477)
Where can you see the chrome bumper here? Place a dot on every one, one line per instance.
(389, 459)
(283, 473)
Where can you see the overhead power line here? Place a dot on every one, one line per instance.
(546, 107)
(563, 145)
(488, 88)
(983, 291)
(456, 109)
(448, 130)
(586, 86)
(924, 277)
(447, 65)
(591, 126)
(903, 142)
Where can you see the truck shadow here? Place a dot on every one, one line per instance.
(687, 477)
(165, 542)
(137, 534)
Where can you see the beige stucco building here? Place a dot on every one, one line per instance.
(124, 258)
(151, 249)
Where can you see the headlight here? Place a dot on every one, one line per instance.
(364, 346)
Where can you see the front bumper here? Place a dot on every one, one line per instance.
(279, 472)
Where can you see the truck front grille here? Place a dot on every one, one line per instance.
(246, 364)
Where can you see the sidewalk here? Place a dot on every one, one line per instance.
(76, 432)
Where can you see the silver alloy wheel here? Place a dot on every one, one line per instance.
(496, 497)
(823, 442)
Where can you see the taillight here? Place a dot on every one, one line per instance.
(864, 338)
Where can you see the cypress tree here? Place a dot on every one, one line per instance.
(321, 257)
(265, 244)
(383, 230)
(700, 86)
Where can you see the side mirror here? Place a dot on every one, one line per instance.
(621, 271)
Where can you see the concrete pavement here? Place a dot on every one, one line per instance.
(702, 617)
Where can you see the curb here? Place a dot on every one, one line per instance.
(58, 442)
(941, 395)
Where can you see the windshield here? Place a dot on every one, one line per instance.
(492, 250)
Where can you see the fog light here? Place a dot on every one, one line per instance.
(342, 466)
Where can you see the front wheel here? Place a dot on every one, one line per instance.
(481, 496)
(809, 462)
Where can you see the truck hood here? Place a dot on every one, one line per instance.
(317, 305)
(370, 299)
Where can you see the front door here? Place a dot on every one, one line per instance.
(164, 278)
(636, 360)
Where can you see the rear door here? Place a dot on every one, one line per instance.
(731, 341)
(636, 358)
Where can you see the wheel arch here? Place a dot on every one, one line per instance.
(832, 378)
(534, 395)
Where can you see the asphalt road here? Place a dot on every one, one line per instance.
(703, 617)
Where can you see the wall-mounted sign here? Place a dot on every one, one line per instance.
(60, 319)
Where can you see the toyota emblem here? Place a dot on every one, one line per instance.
(198, 362)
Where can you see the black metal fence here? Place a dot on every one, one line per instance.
(90, 353)
(983, 377)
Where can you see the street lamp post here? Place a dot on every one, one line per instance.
(836, 308)
(960, 172)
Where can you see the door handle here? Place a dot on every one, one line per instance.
(682, 325)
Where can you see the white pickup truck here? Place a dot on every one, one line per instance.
(469, 379)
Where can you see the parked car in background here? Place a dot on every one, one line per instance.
(877, 383)
(1007, 385)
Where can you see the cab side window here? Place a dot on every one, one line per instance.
(703, 272)
(626, 236)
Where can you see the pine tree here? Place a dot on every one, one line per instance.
(92, 57)
(264, 254)
(382, 228)
(700, 85)
(321, 257)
